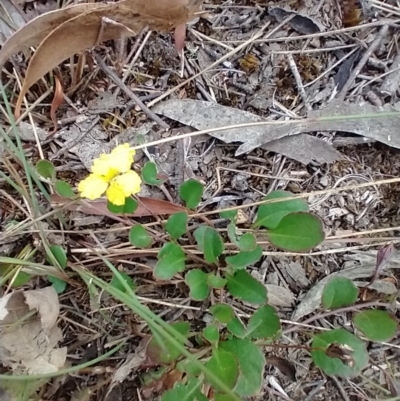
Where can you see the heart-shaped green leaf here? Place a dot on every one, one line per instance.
(224, 366)
(171, 260)
(376, 325)
(46, 169)
(196, 280)
(176, 225)
(339, 353)
(264, 323)
(244, 259)
(191, 192)
(297, 232)
(63, 189)
(269, 215)
(222, 313)
(149, 174)
(138, 236)
(339, 292)
(251, 365)
(209, 242)
(246, 287)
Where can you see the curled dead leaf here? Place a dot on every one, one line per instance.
(56, 102)
(85, 26)
(28, 343)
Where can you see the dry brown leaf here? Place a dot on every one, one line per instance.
(204, 115)
(146, 207)
(56, 102)
(80, 28)
(28, 345)
(36, 30)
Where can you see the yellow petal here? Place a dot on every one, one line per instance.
(115, 194)
(92, 187)
(129, 182)
(101, 167)
(121, 158)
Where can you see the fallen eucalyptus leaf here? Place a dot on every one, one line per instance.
(204, 115)
(83, 26)
(377, 123)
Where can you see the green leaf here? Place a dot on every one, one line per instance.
(171, 260)
(65, 190)
(196, 280)
(224, 366)
(46, 169)
(216, 281)
(59, 254)
(189, 367)
(176, 225)
(269, 215)
(160, 351)
(191, 192)
(211, 334)
(229, 214)
(297, 232)
(222, 397)
(341, 343)
(223, 313)
(185, 392)
(376, 325)
(118, 284)
(339, 292)
(236, 327)
(245, 242)
(21, 279)
(246, 287)
(264, 323)
(251, 365)
(129, 207)
(58, 284)
(149, 174)
(244, 259)
(209, 242)
(138, 236)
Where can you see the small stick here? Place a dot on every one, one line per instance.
(299, 83)
(363, 61)
(125, 88)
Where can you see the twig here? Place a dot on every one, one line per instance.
(363, 61)
(225, 57)
(70, 144)
(119, 82)
(299, 83)
(340, 388)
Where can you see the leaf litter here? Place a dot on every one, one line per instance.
(28, 342)
(346, 211)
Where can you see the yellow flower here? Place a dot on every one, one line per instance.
(130, 182)
(102, 168)
(120, 159)
(92, 187)
(111, 173)
(123, 186)
(115, 194)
